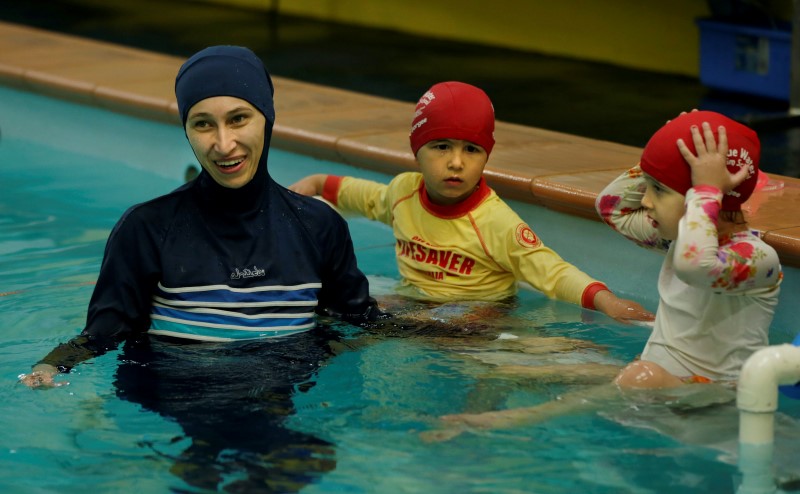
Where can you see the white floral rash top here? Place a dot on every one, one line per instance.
(717, 295)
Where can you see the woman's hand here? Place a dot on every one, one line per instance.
(41, 376)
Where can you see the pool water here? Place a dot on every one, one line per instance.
(67, 172)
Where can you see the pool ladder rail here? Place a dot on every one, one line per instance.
(763, 374)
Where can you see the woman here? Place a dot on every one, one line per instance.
(232, 258)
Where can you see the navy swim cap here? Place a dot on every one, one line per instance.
(224, 71)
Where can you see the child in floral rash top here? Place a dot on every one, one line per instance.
(719, 283)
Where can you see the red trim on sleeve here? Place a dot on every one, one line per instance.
(330, 190)
(587, 299)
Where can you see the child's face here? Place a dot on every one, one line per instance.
(665, 207)
(451, 168)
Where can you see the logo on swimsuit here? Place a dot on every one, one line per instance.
(526, 237)
(247, 273)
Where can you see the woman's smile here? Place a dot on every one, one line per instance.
(230, 165)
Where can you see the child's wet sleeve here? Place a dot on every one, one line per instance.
(368, 198)
(620, 207)
(734, 264)
(541, 267)
(557, 278)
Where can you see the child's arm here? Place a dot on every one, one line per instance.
(701, 257)
(311, 185)
(621, 309)
(620, 207)
(351, 195)
(731, 266)
(546, 271)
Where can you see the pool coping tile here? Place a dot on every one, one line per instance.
(560, 171)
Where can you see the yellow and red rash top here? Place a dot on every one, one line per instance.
(474, 250)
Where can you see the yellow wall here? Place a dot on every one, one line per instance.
(642, 34)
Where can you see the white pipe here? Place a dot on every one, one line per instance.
(757, 399)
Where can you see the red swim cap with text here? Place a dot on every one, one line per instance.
(662, 160)
(453, 110)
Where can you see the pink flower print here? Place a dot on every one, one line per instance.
(743, 249)
(691, 252)
(739, 272)
(739, 268)
(608, 204)
(712, 211)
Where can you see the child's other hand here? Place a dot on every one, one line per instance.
(620, 309)
(309, 186)
(709, 166)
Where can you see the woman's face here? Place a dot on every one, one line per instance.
(227, 137)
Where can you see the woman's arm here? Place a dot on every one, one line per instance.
(119, 304)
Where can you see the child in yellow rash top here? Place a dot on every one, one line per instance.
(456, 239)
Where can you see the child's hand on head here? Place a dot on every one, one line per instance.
(682, 113)
(709, 166)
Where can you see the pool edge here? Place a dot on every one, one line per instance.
(560, 171)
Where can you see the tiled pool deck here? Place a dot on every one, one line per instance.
(559, 171)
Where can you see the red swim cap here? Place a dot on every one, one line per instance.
(453, 110)
(663, 161)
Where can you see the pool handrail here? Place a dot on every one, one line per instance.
(757, 400)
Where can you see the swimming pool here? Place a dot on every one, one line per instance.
(66, 174)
